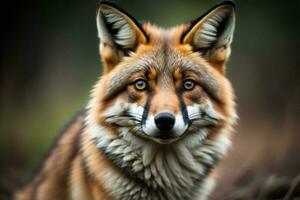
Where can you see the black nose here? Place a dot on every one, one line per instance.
(164, 121)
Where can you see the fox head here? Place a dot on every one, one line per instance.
(162, 85)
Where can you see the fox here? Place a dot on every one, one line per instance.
(160, 117)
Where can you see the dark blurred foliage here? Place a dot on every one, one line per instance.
(49, 61)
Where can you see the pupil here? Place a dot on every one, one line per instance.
(140, 83)
(189, 85)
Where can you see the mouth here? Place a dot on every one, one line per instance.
(161, 139)
(165, 141)
(166, 138)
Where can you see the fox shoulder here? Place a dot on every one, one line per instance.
(51, 177)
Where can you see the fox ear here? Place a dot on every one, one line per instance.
(119, 34)
(211, 34)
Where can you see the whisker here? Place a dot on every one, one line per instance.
(132, 113)
(141, 117)
(195, 114)
(202, 116)
(124, 116)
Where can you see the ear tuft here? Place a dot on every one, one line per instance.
(216, 30)
(212, 33)
(116, 27)
(119, 33)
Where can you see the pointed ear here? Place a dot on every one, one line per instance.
(211, 34)
(119, 34)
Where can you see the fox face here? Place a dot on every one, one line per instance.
(163, 101)
(160, 117)
(164, 84)
(163, 111)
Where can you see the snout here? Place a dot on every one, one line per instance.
(164, 127)
(164, 121)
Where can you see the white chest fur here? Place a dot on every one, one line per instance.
(152, 171)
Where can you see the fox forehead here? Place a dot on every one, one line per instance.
(164, 54)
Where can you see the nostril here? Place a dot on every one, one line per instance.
(164, 121)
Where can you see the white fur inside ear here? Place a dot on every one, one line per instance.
(113, 28)
(208, 34)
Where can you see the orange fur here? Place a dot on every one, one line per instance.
(77, 168)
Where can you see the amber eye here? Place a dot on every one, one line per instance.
(140, 84)
(189, 84)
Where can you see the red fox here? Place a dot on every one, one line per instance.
(160, 117)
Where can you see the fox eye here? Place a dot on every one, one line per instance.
(189, 84)
(140, 84)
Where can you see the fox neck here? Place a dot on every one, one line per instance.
(157, 171)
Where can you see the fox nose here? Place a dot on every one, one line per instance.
(164, 121)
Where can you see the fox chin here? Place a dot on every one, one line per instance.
(159, 119)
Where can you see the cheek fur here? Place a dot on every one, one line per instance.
(197, 95)
(133, 96)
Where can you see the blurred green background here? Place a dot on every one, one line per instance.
(49, 62)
